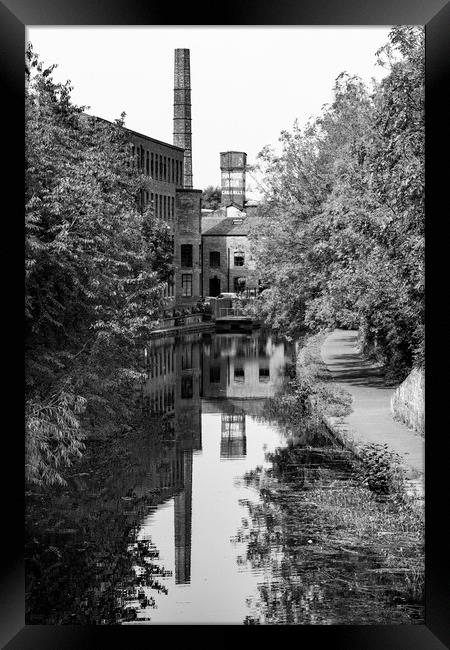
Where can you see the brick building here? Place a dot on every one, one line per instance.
(171, 193)
(227, 263)
(211, 252)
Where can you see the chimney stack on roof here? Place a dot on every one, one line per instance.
(182, 133)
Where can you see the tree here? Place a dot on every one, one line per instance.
(94, 271)
(340, 240)
(211, 197)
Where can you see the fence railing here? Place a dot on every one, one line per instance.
(225, 312)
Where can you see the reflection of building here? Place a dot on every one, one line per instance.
(173, 390)
(183, 524)
(233, 443)
(227, 374)
(243, 366)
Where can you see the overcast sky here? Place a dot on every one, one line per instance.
(248, 84)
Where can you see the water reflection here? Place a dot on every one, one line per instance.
(207, 513)
(218, 383)
(233, 443)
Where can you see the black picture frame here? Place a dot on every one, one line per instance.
(15, 15)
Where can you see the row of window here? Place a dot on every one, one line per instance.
(214, 259)
(157, 166)
(239, 375)
(160, 362)
(163, 205)
(162, 400)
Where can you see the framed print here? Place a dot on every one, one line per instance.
(225, 351)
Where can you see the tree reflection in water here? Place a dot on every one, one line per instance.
(84, 564)
(327, 550)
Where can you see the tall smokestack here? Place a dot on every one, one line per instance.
(182, 134)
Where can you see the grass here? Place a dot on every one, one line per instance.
(350, 536)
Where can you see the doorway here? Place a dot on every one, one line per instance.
(214, 286)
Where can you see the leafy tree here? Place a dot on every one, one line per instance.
(341, 235)
(95, 263)
(211, 197)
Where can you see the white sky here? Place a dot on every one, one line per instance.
(248, 83)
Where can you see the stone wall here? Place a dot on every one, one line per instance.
(408, 401)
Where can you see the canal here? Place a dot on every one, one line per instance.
(217, 510)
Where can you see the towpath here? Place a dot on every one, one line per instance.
(371, 419)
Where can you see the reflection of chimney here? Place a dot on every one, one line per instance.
(232, 171)
(183, 525)
(182, 136)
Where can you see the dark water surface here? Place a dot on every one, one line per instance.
(210, 513)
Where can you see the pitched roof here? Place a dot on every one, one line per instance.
(213, 226)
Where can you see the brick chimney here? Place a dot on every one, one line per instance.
(182, 133)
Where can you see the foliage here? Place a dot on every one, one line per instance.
(95, 263)
(85, 564)
(381, 469)
(336, 554)
(340, 241)
(211, 197)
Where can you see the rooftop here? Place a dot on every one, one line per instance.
(220, 225)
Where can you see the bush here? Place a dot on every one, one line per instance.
(381, 469)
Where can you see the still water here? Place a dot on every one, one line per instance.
(213, 391)
(220, 504)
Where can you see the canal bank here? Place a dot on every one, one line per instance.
(221, 480)
(180, 330)
(370, 420)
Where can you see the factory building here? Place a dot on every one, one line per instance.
(211, 248)
(227, 262)
(170, 189)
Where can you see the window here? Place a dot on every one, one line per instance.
(186, 284)
(160, 168)
(239, 374)
(238, 258)
(152, 165)
(239, 284)
(214, 374)
(147, 162)
(186, 388)
(186, 255)
(264, 374)
(186, 357)
(214, 259)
